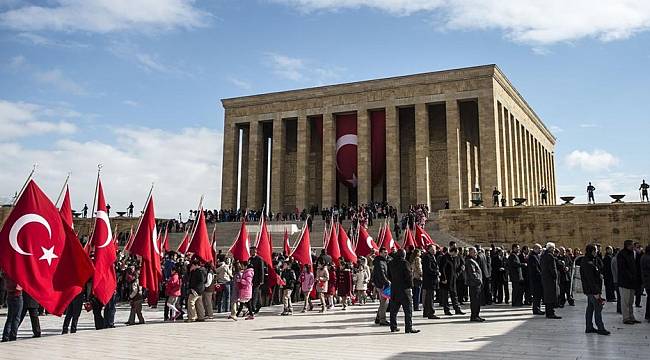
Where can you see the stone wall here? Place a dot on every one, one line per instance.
(566, 225)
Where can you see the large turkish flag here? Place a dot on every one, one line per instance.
(104, 281)
(200, 243)
(41, 252)
(145, 244)
(346, 149)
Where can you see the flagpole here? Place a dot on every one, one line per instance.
(65, 183)
(257, 237)
(92, 214)
(29, 177)
(142, 214)
(196, 221)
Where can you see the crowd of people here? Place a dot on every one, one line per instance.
(411, 279)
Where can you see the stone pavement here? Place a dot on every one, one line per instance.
(507, 334)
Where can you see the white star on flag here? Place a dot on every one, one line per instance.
(48, 254)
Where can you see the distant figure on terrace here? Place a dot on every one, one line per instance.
(85, 211)
(495, 197)
(590, 194)
(129, 209)
(644, 190)
(543, 192)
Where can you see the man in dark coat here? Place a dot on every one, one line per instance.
(535, 279)
(523, 259)
(401, 278)
(610, 289)
(474, 281)
(628, 280)
(516, 277)
(550, 280)
(565, 269)
(484, 263)
(430, 274)
(259, 278)
(500, 276)
(645, 278)
(448, 276)
(592, 285)
(379, 281)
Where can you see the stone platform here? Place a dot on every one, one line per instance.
(566, 225)
(507, 334)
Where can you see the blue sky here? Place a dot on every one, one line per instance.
(136, 84)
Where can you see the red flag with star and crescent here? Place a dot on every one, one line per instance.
(66, 208)
(345, 246)
(332, 249)
(388, 242)
(41, 252)
(265, 251)
(302, 252)
(200, 243)
(241, 245)
(104, 281)
(424, 237)
(145, 245)
(366, 244)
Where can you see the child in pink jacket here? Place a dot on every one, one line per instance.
(173, 292)
(245, 287)
(306, 286)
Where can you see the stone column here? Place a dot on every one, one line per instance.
(302, 160)
(511, 150)
(421, 152)
(489, 148)
(278, 148)
(364, 174)
(392, 157)
(329, 158)
(505, 176)
(524, 162)
(517, 149)
(553, 199)
(255, 168)
(230, 161)
(453, 154)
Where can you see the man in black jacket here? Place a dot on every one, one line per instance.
(379, 281)
(628, 280)
(645, 278)
(550, 280)
(448, 275)
(195, 310)
(535, 279)
(401, 278)
(430, 274)
(592, 285)
(523, 259)
(259, 278)
(516, 277)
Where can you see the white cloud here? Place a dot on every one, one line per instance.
(131, 103)
(595, 161)
(148, 62)
(17, 61)
(528, 21)
(556, 129)
(589, 125)
(183, 164)
(242, 84)
(46, 41)
(104, 16)
(58, 79)
(20, 119)
(300, 70)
